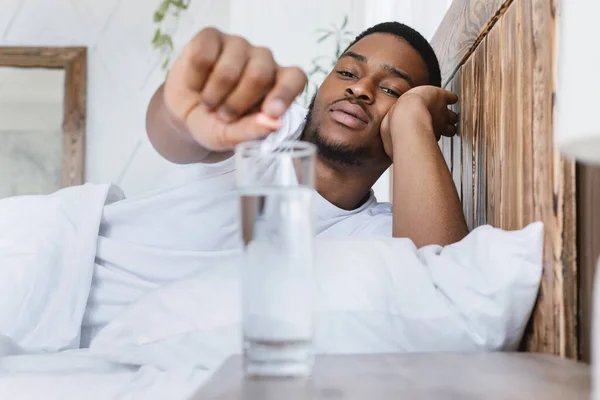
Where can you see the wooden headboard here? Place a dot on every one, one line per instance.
(499, 56)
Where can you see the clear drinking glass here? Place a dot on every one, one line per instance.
(276, 186)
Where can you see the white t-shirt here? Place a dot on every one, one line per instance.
(190, 224)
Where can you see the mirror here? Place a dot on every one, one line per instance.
(42, 119)
(31, 115)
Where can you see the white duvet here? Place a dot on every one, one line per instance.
(374, 295)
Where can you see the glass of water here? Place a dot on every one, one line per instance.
(276, 184)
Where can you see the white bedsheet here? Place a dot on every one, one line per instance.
(374, 295)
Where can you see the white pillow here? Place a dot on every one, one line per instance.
(374, 295)
(47, 248)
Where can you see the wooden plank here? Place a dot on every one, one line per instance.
(74, 122)
(455, 86)
(492, 122)
(565, 212)
(554, 317)
(464, 26)
(588, 234)
(38, 57)
(524, 101)
(479, 136)
(510, 138)
(468, 88)
(424, 376)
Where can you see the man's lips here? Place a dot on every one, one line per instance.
(351, 115)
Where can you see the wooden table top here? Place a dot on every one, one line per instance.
(426, 376)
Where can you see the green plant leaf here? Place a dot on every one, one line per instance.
(169, 42)
(159, 39)
(345, 23)
(165, 63)
(156, 35)
(160, 13)
(180, 4)
(324, 37)
(158, 17)
(160, 42)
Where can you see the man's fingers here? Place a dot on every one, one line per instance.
(289, 84)
(227, 71)
(451, 97)
(257, 80)
(452, 117)
(199, 56)
(450, 131)
(250, 127)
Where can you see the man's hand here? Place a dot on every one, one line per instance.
(426, 206)
(226, 91)
(429, 103)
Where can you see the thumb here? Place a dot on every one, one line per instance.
(251, 127)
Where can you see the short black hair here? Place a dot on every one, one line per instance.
(416, 40)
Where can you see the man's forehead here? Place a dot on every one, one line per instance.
(387, 48)
(382, 43)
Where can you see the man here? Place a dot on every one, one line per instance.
(77, 259)
(381, 105)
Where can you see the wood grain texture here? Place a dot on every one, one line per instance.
(554, 317)
(74, 61)
(39, 57)
(429, 376)
(74, 120)
(510, 144)
(510, 173)
(455, 141)
(479, 149)
(468, 100)
(464, 26)
(524, 101)
(588, 234)
(492, 121)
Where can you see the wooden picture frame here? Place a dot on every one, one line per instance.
(74, 61)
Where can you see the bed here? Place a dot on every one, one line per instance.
(499, 56)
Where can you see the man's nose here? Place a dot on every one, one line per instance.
(361, 90)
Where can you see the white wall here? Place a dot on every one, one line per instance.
(124, 70)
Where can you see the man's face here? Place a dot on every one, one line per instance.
(346, 114)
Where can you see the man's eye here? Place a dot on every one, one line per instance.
(346, 74)
(390, 92)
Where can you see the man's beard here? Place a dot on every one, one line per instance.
(338, 153)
